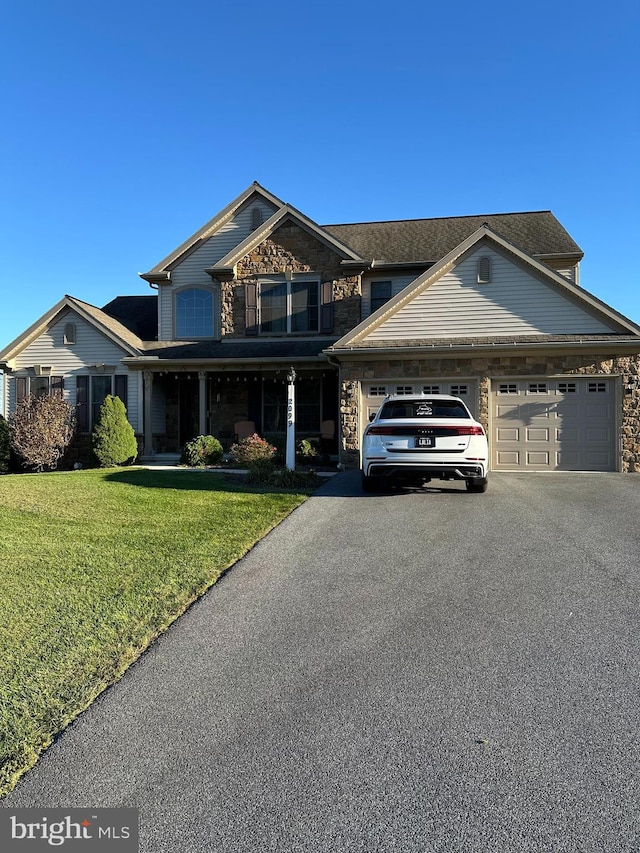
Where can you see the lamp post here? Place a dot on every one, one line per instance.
(291, 419)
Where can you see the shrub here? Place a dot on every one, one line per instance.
(113, 440)
(5, 445)
(202, 450)
(251, 449)
(41, 429)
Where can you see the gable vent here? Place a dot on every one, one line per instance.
(484, 270)
(256, 218)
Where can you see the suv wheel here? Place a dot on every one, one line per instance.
(477, 484)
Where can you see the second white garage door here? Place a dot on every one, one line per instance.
(543, 425)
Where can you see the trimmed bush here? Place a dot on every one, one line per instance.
(251, 449)
(113, 440)
(200, 451)
(41, 429)
(5, 445)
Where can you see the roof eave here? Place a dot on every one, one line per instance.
(156, 277)
(630, 347)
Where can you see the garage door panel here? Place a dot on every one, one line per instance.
(538, 458)
(597, 435)
(567, 460)
(553, 425)
(537, 434)
(509, 458)
(508, 434)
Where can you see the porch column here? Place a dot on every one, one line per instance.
(147, 376)
(202, 402)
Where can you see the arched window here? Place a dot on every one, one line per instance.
(194, 313)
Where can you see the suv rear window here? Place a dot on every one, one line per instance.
(396, 410)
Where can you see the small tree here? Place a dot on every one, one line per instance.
(41, 429)
(5, 445)
(113, 440)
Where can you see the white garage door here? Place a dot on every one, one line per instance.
(373, 393)
(553, 425)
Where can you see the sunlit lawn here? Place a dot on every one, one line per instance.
(93, 565)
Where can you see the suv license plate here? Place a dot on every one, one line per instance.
(425, 441)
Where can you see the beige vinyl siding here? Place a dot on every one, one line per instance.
(91, 347)
(515, 302)
(191, 270)
(398, 283)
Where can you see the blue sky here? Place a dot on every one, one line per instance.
(127, 125)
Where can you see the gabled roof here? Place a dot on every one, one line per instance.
(408, 241)
(108, 325)
(538, 233)
(159, 272)
(286, 213)
(425, 280)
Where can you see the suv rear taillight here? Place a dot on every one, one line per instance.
(425, 430)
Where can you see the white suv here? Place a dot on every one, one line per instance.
(419, 438)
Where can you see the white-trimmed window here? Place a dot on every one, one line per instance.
(193, 313)
(507, 388)
(378, 391)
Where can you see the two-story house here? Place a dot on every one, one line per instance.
(486, 307)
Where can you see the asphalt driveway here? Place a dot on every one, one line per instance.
(418, 671)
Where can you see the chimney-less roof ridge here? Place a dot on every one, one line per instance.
(436, 218)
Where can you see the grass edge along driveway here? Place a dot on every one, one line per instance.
(93, 566)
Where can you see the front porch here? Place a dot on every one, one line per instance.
(229, 404)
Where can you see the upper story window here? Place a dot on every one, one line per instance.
(289, 306)
(194, 313)
(380, 293)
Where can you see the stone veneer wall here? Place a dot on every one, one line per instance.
(291, 248)
(627, 367)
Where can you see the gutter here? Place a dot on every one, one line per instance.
(191, 363)
(631, 345)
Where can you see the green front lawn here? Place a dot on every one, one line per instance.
(93, 566)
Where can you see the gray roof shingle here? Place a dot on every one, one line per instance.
(537, 233)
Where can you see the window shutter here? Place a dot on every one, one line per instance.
(121, 388)
(21, 388)
(326, 307)
(251, 304)
(82, 403)
(56, 385)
